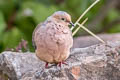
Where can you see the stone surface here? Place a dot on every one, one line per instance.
(97, 62)
(85, 41)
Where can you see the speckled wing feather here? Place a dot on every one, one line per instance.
(33, 35)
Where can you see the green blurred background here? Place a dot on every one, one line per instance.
(18, 18)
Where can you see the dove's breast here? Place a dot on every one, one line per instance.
(53, 42)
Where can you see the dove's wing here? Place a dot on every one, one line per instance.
(33, 35)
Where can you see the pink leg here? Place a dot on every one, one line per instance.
(64, 63)
(60, 63)
(46, 65)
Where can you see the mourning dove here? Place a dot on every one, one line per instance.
(53, 38)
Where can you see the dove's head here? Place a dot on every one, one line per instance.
(62, 17)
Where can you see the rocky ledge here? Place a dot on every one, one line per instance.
(96, 62)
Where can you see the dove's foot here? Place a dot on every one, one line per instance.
(60, 63)
(46, 65)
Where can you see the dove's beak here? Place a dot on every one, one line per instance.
(72, 24)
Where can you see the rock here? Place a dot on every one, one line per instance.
(97, 62)
(85, 41)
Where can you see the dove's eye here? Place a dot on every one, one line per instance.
(63, 19)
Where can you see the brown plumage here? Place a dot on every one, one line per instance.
(53, 38)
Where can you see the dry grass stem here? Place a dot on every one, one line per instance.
(79, 27)
(86, 11)
(91, 33)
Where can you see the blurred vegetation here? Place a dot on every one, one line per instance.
(18, 18)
